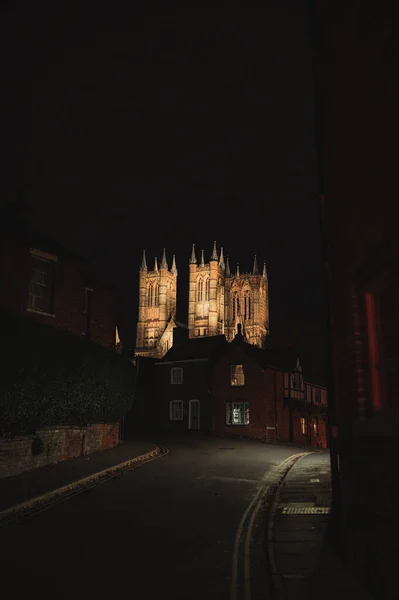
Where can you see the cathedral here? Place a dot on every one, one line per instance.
(218, 302)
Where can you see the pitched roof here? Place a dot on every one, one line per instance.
(200, 347)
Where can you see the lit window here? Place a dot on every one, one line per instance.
(304, 426)
(40, 297)
(176, 375)
(237, 377)
(316, 426)
(237, 413)
(317, 398)
(176, 410)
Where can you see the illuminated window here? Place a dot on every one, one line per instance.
(316, 426)
(317, 398)
(176, 375)
(237, 413)
(176, 410)
(40, 296)
(200, 290)
(237, 377)
(304, 426)
(207, 290)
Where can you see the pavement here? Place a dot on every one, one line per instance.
(302, 561)
(28, 485)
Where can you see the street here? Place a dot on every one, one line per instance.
(166, 529)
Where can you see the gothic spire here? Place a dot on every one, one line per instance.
(221, 259)
(238, 269)
(173, 269)
(214, 252)
(193, 259)
(155, 265)
(255, 270)
(202, 264)
(264, 271)
(143, 263)
(164, 262)
(227, 267)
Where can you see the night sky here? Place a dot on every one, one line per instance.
(128, 128)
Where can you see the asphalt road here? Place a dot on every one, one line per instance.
(164, 530)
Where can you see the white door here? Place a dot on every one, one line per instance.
(194, 414)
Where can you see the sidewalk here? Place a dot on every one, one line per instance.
(31, 484)
(303, 564)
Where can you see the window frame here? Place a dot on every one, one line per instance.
(174, 370)
(180, 410)
(304, 426)
(46, 259)
(244, 413)
(233, 375)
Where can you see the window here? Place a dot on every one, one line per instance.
(237, 413)
(156, 295)
(316, 426)
(296, 381)
(176, 410)
(207, 290)
(304, 426)
(247, 305)
(176, 375)
(317, 397)
(200, 290)
(149, 295)
(237, 377)
(236, 305)
(40, 296)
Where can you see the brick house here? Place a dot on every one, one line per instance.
(44, 280)
(183, 376)
(261, 394)
(358, 95)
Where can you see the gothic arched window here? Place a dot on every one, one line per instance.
(236, 305)
(149, 295)
(156, 294)
(207, 289)
(200, 290)
(247, 305)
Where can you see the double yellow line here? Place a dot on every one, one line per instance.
(253, 510)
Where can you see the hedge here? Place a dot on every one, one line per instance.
(49, 377)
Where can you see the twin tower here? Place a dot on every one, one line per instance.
(218, 302)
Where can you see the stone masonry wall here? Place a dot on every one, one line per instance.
(60, 443)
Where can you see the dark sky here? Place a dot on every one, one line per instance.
(129, 128)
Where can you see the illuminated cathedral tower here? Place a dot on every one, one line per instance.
(219, 301)
(157, 308)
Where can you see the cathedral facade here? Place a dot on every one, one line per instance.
(218, 302)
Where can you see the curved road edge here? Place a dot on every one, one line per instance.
(49, 499)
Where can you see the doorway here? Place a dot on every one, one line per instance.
(194, 415)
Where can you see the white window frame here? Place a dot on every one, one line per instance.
(243, 408)
(176, 380)
(176, 410)
(237, 379)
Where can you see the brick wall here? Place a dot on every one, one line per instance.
(70, 279)
(60, 443)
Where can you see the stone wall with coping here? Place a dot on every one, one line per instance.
(54, 444)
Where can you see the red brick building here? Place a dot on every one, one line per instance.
(262, 394)
(358, 97)
(48, 282)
